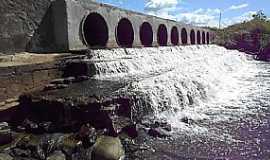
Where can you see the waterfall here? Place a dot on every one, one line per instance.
(200, 83)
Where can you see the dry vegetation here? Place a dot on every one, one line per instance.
(252, 36)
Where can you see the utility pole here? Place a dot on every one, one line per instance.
(219, 20)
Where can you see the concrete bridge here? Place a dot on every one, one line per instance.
(71, 25)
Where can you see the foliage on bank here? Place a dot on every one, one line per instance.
(252, 37)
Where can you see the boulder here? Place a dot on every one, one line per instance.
(108, 148)
(57, 155)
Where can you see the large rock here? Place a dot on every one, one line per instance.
(108, 148)
(5, 133)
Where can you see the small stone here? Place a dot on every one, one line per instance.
(87, 135)
(108, 148)
(57, 155)
(186, 120)
(61, 86)
(20, 129)
(5, 133)
(49, 87)
(2, 103)
(4, 156)
(48, 127)
(11, 100)
(58, 81)
(69, 80)
(82, 78)
(31, 126)
(82, 153)
(118, 122)
(21, 153)
(158, 132)
(130, 130)
(55, 86)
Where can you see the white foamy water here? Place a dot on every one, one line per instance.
(202, 83)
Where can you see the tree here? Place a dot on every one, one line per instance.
(259, 16)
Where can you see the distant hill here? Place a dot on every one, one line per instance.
(252, 37)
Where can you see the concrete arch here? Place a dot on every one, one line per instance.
(162, 35)
(184, 36)
(95, 30)
(174, 36)
(192, 37)
(203, 37)
(146, 34)
(207, 38)
(198, 37)
(124, 33)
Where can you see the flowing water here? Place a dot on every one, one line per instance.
(223, 94)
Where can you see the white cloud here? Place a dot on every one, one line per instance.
(155, 5)
(237, 7)
(210, 17)
(238, 19)
(200, 17)
(161, 8)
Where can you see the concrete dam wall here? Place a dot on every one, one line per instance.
(70, 25)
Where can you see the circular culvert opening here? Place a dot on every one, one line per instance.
(174, 36)
(125, 33)
(162, 35)
(95, 30)
(192, 37)
(198, 37)
(146, 34)
(207, 38)
(184, 36)
(203, 37)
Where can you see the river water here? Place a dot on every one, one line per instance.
(224, 95)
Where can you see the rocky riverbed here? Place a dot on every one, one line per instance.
(78, 122)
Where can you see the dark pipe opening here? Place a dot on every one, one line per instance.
(192, 37)
(207, 38)
(125, 33)
(174, 36)
(95, 30)
(203, 37)
(146, 34)
(162, 35)
(184, 36)
(198, 37)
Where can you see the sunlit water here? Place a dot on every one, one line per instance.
(223, 93)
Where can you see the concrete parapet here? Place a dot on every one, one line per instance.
(95, 25)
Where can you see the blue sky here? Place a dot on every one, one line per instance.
(198, 12)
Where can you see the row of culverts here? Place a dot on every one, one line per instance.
(96, 33)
